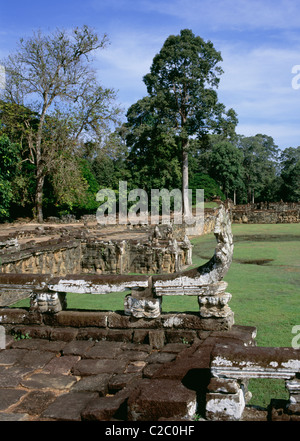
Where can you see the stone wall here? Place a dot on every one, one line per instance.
(81, 252)
(267, 213)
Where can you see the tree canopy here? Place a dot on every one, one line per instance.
(61, 137)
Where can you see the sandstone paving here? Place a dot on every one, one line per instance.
(48, 381)
(85, 380)
(69, 406)
(43, 379)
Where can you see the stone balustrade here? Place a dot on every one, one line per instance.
(233, 365)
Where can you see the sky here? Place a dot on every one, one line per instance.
(259, 41)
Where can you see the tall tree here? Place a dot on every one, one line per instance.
(50, 70)
(182, 82)
(225, 165)
(290, 174)
(260, 155)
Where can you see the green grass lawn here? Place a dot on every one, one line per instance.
(266, 296)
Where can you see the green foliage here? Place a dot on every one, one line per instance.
(209, 185)
(9, 155)
(225, 166)
(290, 175)
(260, 165)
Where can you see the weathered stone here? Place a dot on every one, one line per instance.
(61, 365)
(255, 362)
(82, 319)
(104, 408)
(140, 336)
(12, 356)
(49, 381)
(160, 357)
(119, 381)
(151, 370)
(180, 336)
(73, 404)
(13, 416)
(35, 402)
(222, 385)
(35, 360)
(93, 383)
(119, 335)
(77, 347)
(39, 345)
(13, 316)
(226, 407)
(8, 397)
(142, 308)
(157, 339)
(40, 332)
(135, 367)
(64, 334)
(48, 302)
(95, 334)
(102, 350)
(11, 376)
(154, 399)
(99, 366)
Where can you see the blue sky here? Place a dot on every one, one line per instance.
(259, 41)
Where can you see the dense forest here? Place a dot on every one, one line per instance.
(63, 137)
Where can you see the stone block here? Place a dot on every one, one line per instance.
(102, 350)
(223, 385)
(72, 403)
(63, 334)
(11, 356)
(61, 365)
(160, 357)
(93, 383)
(119, 381)
(154, 399)
(225, 407)
(140, 336)
(106, 408)
(49, 381)
(142, 308)
(35, 402)
(157, 339)
(119, 335)
(77, 347)
(40, 332)
(115, 320)
(35, 359)
(180, 336)
(13, 316)
(8, 397)
(82, 319)
(96, 334)
(99, 366)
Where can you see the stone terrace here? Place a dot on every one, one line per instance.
(51, 380)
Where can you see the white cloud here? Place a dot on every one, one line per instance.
(235, 14)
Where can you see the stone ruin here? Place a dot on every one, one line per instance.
(203, 361)
(267, 213)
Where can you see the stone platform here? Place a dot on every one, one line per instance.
(56, 380)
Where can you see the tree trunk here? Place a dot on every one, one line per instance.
(39, 198)
(185, 179)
